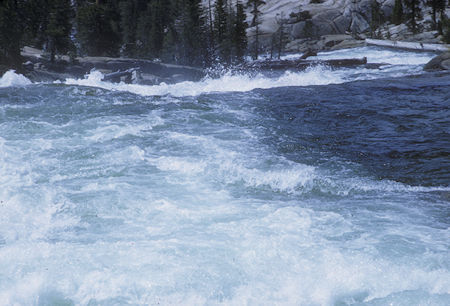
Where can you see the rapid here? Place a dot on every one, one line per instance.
(321, 187)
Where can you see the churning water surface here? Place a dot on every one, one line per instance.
(323, 187)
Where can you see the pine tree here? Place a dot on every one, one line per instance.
(254, 5)
(59, 28)
(413, 14)
(95, 30)
(211, 27)
(397, 15)
(10, 33)
(192, 45)
(437, 6)
(36, 22)
(376, 17)
(240, 32)
(280, 33)
(129, 16)
(221, 30)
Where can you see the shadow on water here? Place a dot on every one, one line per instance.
(397, 129)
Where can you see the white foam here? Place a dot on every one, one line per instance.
(11, 78)
(374, 55)
(399, 63)
(227, 83)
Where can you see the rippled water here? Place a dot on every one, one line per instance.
(326, 187)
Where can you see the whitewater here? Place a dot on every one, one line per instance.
(320, 187)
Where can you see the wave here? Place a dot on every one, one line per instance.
(397, 64)
(229, 82)
(11, 78)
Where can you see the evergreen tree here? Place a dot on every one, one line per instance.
(160, 24)
(211, 27)
(192, 47)
(437, 6)
(240, 32)
(221, 30)
(376, 17)
(96, 33)
(397, 15)
(36, 22)
(413, 14)
(129, 16)
(230, 54)
(10, 33)
(280, 34)
(256, 15)
(58, 40)
(446, 30)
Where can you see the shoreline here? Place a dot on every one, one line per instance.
(147, 72)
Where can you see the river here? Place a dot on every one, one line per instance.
(322, 187)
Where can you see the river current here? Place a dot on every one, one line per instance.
(322, 187)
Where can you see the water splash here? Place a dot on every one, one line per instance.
(227, 83)
(11, 78)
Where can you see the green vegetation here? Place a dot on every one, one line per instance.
(178, 31)
(446, 30)
(256, 16)
(397, 15)
(10, 33)
(437, 8)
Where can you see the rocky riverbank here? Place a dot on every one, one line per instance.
(139, 71)
(38, 68)
(336, 24)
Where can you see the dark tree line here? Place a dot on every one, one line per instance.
(179, 31)
(409, 11)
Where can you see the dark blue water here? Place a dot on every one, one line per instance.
(396, 129)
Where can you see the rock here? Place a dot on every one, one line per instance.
(136, 77)
(76, 71)
(28, 65)
(298, 30)
(351, 43)
(303, 45)
(359, 24)
(124, 76)
(387, 7)
(149, 79)
(364, 8)
(301, 64)
(425, 37)
(308, 54)
(440, 62)
(446, 64)
(176, 78)
(38, 66)
(322, 26)
(342, 23)
(329, 41)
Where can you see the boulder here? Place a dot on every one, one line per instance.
(342, 23)
(298, 30)
(364, 8)
(387, 7)
(359, 24)
(322, 26)
(350, 43)
(440, 62)
(28, 65)
(136, 76)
